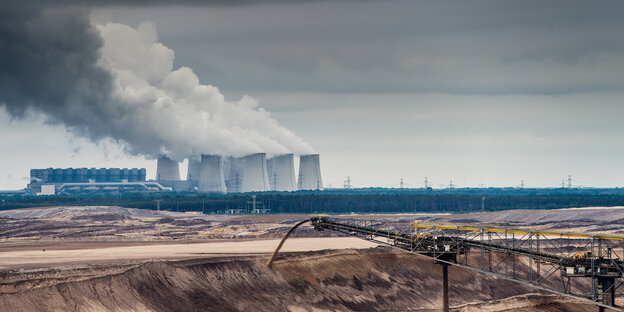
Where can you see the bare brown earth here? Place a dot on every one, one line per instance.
(120, 259)
(27, 259)
(350, 280)
(116, 224)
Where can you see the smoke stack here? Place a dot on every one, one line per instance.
(255, 177)
(310, 173)
(167, 169)
(211, 174)
(281, 169)
(194, 165)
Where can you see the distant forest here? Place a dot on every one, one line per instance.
(373, 200)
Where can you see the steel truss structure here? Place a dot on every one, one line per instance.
(583, 266)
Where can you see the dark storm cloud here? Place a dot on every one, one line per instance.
(481, 47)
(107, 3)
(48, 63)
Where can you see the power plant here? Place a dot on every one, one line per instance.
(250, 173)
(281, 169)
(211, 178)
(309, 173)
(206, 174)
(167, 169)
(255, 175)
(69, 181)
(194, 165)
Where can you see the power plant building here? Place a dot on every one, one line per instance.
(58, 177)
(281, 171)
(309, 173)
(167, 169)
(206, 174)
(194, 165)
(255, 175)
(233, 173)
(78, 175)
(211, 179)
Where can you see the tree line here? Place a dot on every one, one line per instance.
(331, 202)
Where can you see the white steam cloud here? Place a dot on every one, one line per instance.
(112, 81)
(157, 110)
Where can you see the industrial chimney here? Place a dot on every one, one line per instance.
(255, 177)
(281, 169)
(211, 174)
(167, 169)
(309, 173)
(194, 165)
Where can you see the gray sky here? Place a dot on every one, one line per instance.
(481, 92)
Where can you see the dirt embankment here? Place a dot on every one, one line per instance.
(366, 280)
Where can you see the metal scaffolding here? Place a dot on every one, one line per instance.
(584, 266)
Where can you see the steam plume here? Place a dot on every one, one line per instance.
(114, 81)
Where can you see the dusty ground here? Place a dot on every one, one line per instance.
(119, 259)
(366, 280)
(64, 224)
(28, 258)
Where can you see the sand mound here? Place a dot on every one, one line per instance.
(375, 279)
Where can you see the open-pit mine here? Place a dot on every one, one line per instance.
(122, 259)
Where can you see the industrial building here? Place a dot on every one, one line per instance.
(49, 181)
(211, 179)
(194, 165)
(167, 169)
(168, 175)
(206, 174)
(250, 173)
(309, 173)
(281, 169)
(255, 175)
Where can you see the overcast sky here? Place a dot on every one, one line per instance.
(478, 92)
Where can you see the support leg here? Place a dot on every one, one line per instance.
(606, 292)
(445, 298)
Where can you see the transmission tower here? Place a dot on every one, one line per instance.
(426, 183)
(274, 180)
(401, 183)
(451, 185)
(521, 183)
(569, 181)
(347, 183)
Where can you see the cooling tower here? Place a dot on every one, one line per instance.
(255, 177)
(167, 169)
(310, 173)
(194, 165)
(211, 174)
(281, 169)
(233, 169)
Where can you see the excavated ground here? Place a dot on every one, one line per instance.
(349, 280)
(171, 267)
